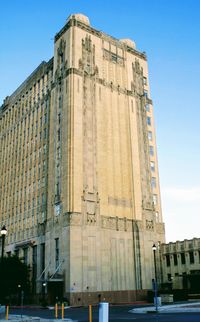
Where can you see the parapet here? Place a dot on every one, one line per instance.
(129, 43)
(80, 17)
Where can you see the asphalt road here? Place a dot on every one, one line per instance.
(116, 314)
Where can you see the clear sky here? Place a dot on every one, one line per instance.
(169, 32)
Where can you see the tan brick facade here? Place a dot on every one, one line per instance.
(79, 175)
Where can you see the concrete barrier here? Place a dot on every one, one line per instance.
(159, 301)
(167, 298)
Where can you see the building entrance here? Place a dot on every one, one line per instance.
(55, 291)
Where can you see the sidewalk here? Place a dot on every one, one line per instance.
(174, 308)
(25, 318)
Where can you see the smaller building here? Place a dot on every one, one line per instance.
(180, 263)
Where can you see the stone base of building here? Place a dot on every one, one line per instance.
(114, 297)
(86, 298)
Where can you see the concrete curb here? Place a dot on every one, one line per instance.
(25, 318)
(175, 308)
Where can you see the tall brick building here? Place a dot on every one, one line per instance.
(79, 176)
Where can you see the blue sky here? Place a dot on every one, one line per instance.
(169, 32)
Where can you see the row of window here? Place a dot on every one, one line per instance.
(23, 184)
(19, 160)
(182, 258)
(26, 102)
(24, 254)
(21, 142)
(58, 149)
(151, 150)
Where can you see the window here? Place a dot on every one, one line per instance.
(169, 277)
(45, 149)
(43, 181)
(42, 257)
(34, 267)
(153, 182)
(114, 58)
(147, 107)
(175, 260)
(45, 133)
(155, 199)
(44, 165)
(58, 153)
(182, 258)
(144, 80)
(150, 137)
(26, 256)
(168, 260)
(57, 252)
(151, 150)
(157, 216)
(43, 199)
(57, 209)
(145, 94)
(191, 254)
(59, 118)
(148, 120)
(45, 118)
(58, 135)
(152, 164)
(58, 187)
(60, 103)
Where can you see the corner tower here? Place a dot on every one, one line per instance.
(106, 197)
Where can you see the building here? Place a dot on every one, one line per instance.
(79, 175)
(181, 265)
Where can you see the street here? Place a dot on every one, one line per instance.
(117, 313)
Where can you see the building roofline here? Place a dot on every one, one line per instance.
(74, 22)
(41, 69)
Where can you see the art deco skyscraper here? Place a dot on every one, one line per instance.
(79, 175)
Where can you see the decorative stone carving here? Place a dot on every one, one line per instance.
(61, 51)
(61, 62)
(129, 225)
(112, 57)
(149, 225)
(160, 228)
(112, 223)
(91, 219)
(90, 199)
(73, 219)
(116, 223)
(121, 224)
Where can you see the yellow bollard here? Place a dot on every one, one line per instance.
(7, 311)
(63, 311)
(90, 313)
(56, 310)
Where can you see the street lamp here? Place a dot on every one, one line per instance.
(3, 235)
(44, 284)
(155, 280)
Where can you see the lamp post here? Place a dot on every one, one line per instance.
(155, 280)
(3, 235)
(43, 293)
